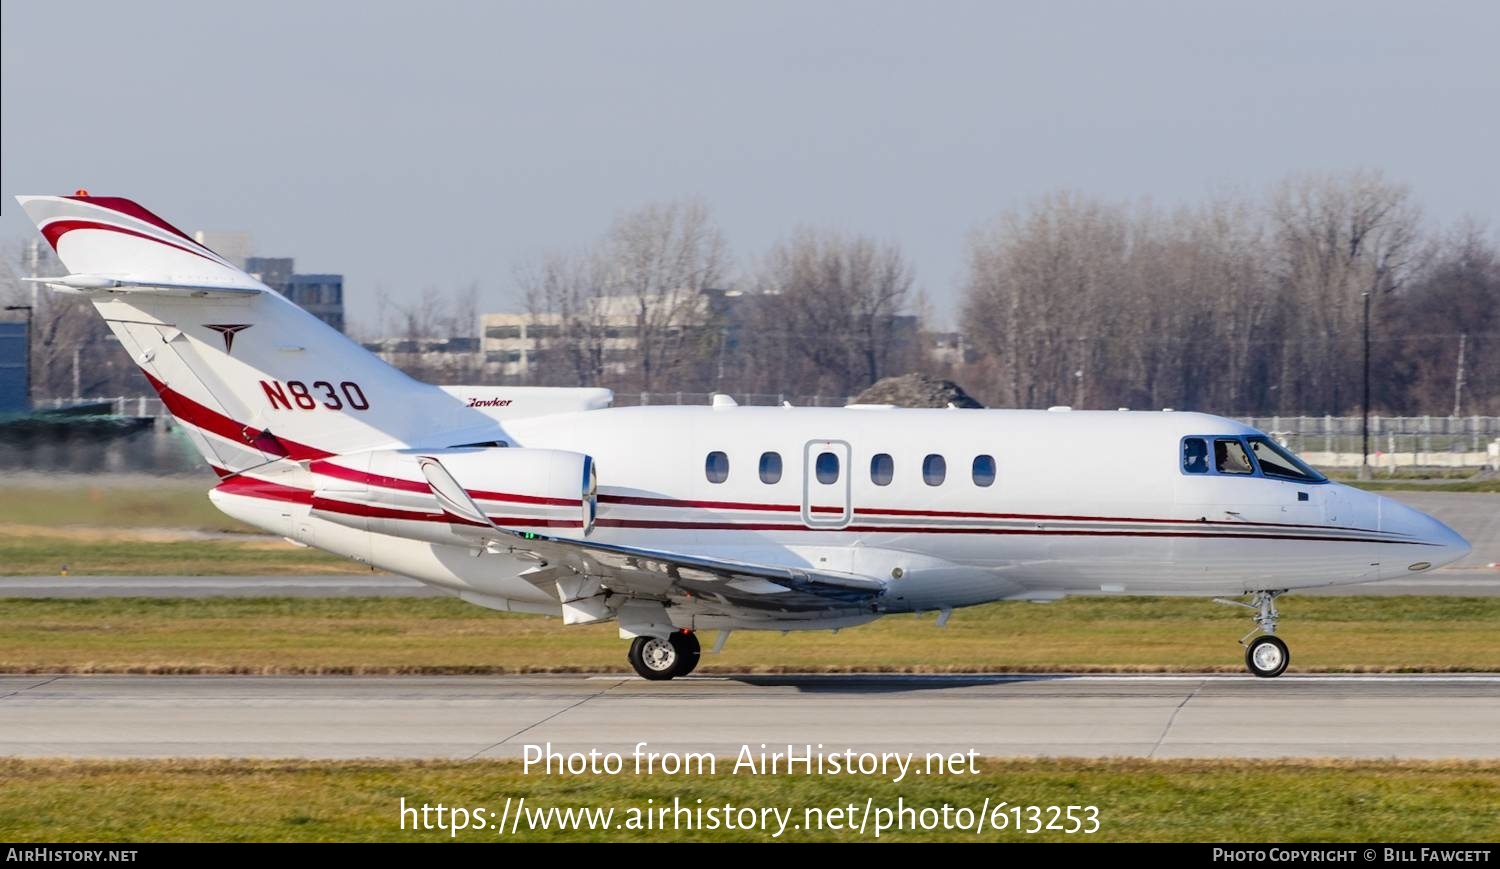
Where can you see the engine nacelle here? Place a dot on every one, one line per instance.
(384, 491)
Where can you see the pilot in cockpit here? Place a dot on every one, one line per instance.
(1195, 456)
(1230, 458)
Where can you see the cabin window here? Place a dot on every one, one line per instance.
(882, 469)
(716, 468)
(1195, 455)
(827, 468)
(934, 470)
(1277, 462)
(984, 470)
(1230, 457)
(770, 468)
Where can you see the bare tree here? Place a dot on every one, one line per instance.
(433, 338)
(1045, 291)
(1233, 306)
(568, 321)
(1453, 302)
(1336, 238)
(73, 352)
(661, 258)
(634, 302)
(838, 303)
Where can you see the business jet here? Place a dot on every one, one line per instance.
(674, 520)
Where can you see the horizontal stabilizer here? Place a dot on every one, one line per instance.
(151, 286)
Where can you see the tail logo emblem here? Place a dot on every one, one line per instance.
(228, 331)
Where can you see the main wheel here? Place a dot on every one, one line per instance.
(654, 658)
(689, 652)
(1267, 657)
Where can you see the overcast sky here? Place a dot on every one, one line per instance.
(413, 144)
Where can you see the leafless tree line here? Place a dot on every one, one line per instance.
(653, 306)
(73, 352)
(1251, 305)
(1235, 305)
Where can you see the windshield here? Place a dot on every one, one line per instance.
(1276, 461)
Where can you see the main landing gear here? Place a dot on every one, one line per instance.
(1266, 656)
(656, 659)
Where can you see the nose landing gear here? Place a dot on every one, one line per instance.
(1266, 656)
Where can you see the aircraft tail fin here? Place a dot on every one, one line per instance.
(253, 377)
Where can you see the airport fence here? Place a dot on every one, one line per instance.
(140, 406)
(1395, 441)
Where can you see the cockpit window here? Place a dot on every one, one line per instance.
(1195, 455)
(1276, 461)
(1230, 457)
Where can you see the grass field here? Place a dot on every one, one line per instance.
(32, 551)
(170, 529)
(443, 635)
(168, 504)
(1216, 801)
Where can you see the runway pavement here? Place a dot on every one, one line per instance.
(1425, 716)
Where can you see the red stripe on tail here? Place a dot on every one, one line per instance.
(131, 209)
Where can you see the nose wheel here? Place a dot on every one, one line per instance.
(1266, 656)
(659, 659)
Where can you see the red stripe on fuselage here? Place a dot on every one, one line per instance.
(251, 487)
(337, 471)
(254, 488)
(951, 514)
(651, 524)
(375, 511)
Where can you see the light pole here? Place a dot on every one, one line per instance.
(29, 310)
(1364, 467)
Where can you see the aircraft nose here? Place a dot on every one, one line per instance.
(1443, 544)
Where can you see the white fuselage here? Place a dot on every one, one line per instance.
(1080, 503)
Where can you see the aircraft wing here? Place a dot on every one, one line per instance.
(657, 573)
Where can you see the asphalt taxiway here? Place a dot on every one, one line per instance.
(1347, 716)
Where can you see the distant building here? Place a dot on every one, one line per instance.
(13, 362)
(513, 343)
(434, 360)
(319, 295)
(949, 348)
(510, 341)
(275, 272)
(233, 246)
